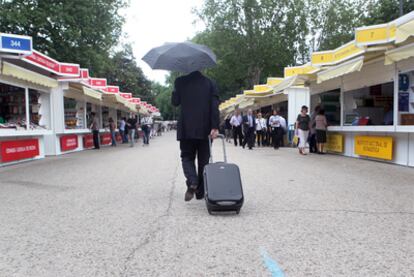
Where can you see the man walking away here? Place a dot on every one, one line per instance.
(200, 117)
(132, 125)
(236, 121)
(260, 129)
(95, 130)
(276, 129)
(146, 123)
(249, 122)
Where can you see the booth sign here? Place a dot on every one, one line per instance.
(68, 143)
(19, 149)
(106, 139)
(374, 147)
(16, 44)
(335, 143)
(88, 141)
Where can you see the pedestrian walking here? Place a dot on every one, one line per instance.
(95, 130)
(146, 123)
(321, 125)
(261, 129)
(312, 132)
(276, 129)
(302, 128)
(122, 124)
(112, 128)
(199, 117)
(132, 125)
(236, 122)
(249, 125)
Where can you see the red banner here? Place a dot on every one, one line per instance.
(111, 89)
(126, 95)
(68, 143)
(43, 61)
(84, 73)
(97, 82)
(69, 69)
(88, 141)
(19, 149)
(135, 100)
(106, 139)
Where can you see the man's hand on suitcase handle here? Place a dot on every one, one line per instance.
(214, 133)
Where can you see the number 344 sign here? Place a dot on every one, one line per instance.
(15, 44)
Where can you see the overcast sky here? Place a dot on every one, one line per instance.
(150, 23)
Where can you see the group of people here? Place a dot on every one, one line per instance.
(255, 129)
(128, 129)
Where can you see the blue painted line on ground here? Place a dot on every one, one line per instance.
(271, 265)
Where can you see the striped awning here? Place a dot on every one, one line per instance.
(399, 54)
(340, 70)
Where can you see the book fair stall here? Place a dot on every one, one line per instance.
(46, 106)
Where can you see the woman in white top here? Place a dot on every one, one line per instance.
(260, 129)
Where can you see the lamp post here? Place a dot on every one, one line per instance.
(401, 8)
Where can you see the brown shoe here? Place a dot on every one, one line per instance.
(189, 194)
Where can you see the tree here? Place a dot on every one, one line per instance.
(125, 73)
(383, 11)
(75, 31)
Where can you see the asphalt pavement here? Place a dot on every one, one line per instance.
(121, 212)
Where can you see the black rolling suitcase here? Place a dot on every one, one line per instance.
(222, 184)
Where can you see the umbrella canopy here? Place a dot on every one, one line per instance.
(183, 57)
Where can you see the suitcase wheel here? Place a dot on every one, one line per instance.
(238, 211)
(210, 212)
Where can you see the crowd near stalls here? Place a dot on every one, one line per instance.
(365, 89)
(47, 107)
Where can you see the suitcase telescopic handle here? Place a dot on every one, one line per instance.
(222, 137)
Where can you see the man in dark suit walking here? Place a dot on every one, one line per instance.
(200, 117)
(249, 126)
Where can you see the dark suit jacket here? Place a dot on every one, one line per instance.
(246, 122)
(198, 97)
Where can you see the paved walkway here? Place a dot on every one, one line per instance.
(120, 212)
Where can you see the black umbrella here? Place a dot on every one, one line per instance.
(183, 57)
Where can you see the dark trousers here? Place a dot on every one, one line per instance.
(113, 137)
(249, 137)
(123, 136)
(146, 131)
(277, 134)
(95, 134)
(260, 138)
(237, 134)
(312, 143)
(190, 149)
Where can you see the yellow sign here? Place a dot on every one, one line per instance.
(335, 143)
(296, 70)
(340, 54)
(375, 147)
(375, 34)
(261, 88)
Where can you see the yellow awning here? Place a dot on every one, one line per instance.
(399, 54)
(273, 81)
(246, 103)
(340, 70)
(405, 30)
(20, 73)
(296, 80)
(92, 93)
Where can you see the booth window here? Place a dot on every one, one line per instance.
(74, 114)
(369, 106)
(406, 98)
(330, 101)
(12, 107)
(39, 109)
